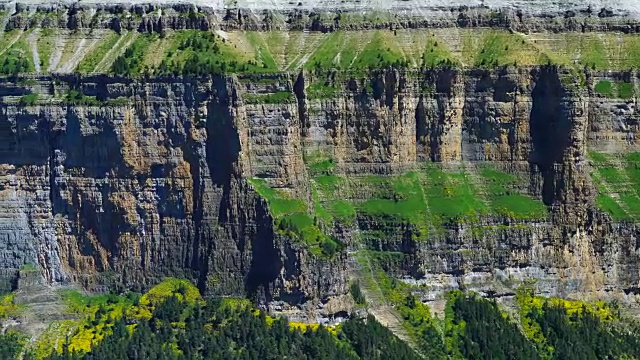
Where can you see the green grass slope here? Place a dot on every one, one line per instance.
(196, 52)
(426, 199)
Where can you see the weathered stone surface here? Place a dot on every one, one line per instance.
(539, 122)
(122, 195)
(522, 16)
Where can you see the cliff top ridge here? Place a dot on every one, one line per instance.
(428, 8)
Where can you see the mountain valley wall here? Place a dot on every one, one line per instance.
(141, 180)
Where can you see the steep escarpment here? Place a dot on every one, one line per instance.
(159, 17)
(510, 199)
(478, 179)
(261, 184)
(121, 195)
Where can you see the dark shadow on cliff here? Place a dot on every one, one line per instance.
(550, 128)
(430, 122)
(266, 260)
(222, 147)
(8, 140)
(223, 142)
(99, 156)
(223, 150)
(25, 141)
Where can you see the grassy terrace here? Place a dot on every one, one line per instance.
(426, 198)
(617, 179)
(497, 48)
(615, 89)
(597, 51)
(193, 51)
(505, 200)
(293, 220)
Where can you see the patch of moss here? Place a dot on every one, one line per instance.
(625, 90)
(497, 182)
(321, 212)
(30, 267)
(29, 99)
(329, 183)
(405, 202)
(120, 101)
(618, 186)
(610, 174)
(631, 202)
(343, 210)
(632, 170)
(321, 165)
(322, 89)
(506, 200)
(452, 196)
(604, 88)
(519, 207)
(598, 158)
(607, 204)
(292, 220)
(302, 227)
(280, 97)
(77, 97)
(280, 204)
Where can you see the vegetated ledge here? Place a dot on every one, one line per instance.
(159, 17)
(97, 89)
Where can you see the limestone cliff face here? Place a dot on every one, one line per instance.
(156, 18)
(539, 122)
(123, 195)
(150, 179)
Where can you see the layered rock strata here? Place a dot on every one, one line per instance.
(159, 17)
(154, 178)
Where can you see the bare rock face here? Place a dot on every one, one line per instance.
(123, 196)
(150, 179)
(521, 16)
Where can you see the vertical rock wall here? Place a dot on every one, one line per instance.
(121, 194)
